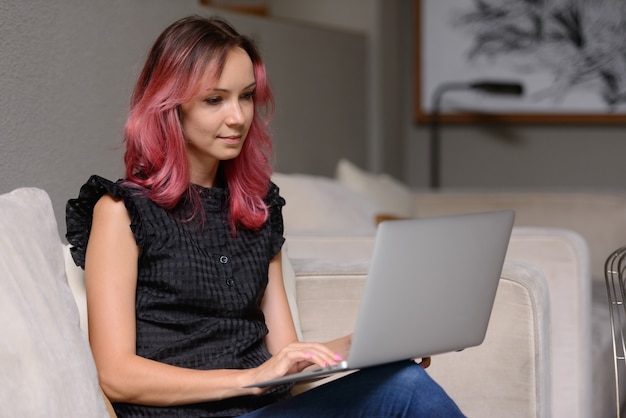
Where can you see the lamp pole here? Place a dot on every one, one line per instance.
(490, 87)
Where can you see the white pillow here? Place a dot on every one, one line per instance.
(393, 197)
(47, 367)
(76, 280)
(289, 278)
(321, 204)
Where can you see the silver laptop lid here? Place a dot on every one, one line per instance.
(431, 286)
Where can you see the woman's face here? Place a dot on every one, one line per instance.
(216, 121)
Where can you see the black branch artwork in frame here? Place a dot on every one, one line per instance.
(578, 41)
(570, 54)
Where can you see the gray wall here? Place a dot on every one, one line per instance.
(67, 69)
(523, 157)
(66, 72)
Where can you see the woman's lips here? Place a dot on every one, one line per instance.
(232, 139)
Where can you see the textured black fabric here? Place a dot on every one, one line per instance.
(199, 287)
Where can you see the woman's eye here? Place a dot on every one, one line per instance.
(213, 100)
(248, 96)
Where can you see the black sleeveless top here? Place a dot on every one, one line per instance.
(199, 287)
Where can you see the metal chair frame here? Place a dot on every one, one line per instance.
(615, 278)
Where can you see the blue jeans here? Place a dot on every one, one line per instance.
(402, 389)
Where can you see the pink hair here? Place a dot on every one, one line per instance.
(156, 156)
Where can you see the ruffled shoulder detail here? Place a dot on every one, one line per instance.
(79, 213)
(273, 197)
(275, 203)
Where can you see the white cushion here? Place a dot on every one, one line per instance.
(289, 278)
(47, 367)
(76, 280)
(321, 204)
(506, 376)
(393, 197)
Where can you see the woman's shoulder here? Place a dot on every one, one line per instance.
(90, 193)
(111, 206)
(79, 211)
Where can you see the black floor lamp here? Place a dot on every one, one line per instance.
(489, 87)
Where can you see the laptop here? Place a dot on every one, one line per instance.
(430, 289)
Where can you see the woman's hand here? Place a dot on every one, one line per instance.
(294, 358)
(341, 345)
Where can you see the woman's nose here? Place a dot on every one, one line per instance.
(236, 115)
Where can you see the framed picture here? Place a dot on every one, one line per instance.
(567, 56)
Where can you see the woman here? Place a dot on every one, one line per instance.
(182, 258)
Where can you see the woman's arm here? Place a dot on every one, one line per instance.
(276, 309)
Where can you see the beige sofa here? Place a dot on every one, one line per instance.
(564, 235)
(48, 369)
(522, 369)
